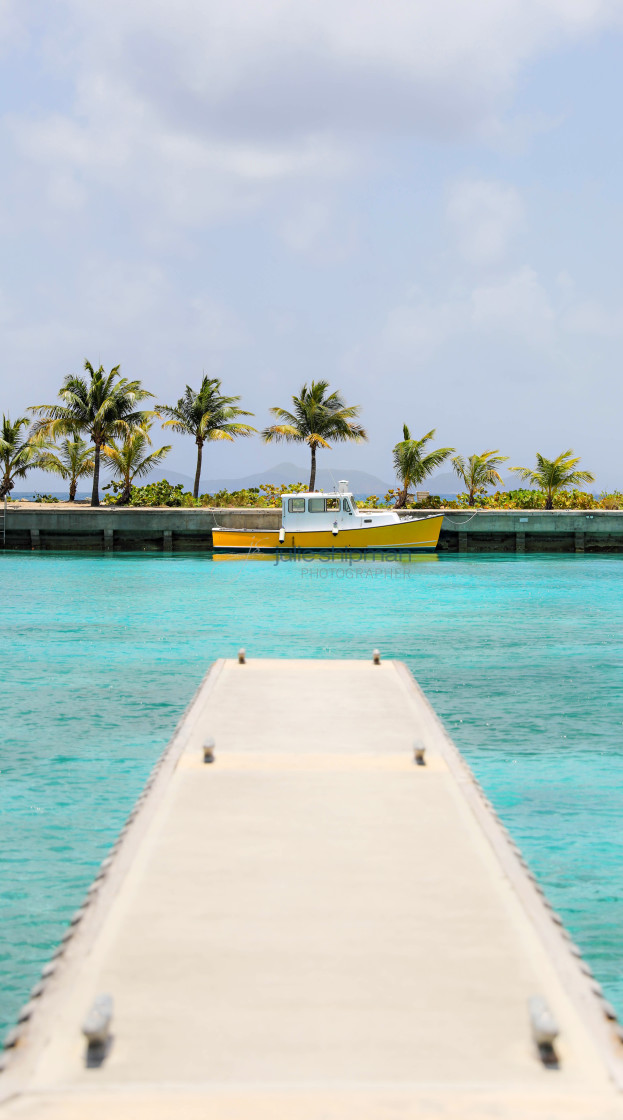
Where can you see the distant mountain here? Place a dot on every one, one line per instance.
(171, 476)
(444, 483)
(447, 482)
(360, 482)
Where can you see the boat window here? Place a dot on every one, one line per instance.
(296, 505)
(353, 503)
(333, 503)
(316, 505)
(346, 506)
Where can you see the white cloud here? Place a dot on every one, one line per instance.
(12, 27)
(485, 216)
(238, 54)
(306, 225)
(589, 317)
(123, 293)
(516, 304)
(516, 307)
(512, 133)
(317, 229)
(192, 110)
(416, 329)
(215, 326)
(162, 172)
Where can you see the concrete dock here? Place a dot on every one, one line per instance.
(115, 529)
(314, 927)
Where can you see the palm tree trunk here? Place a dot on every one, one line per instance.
(95, 493)
(312, 476)
(401, 500)
(198, 471)
(124, 496)
(470, 501)
(73, 486)
(549, 501)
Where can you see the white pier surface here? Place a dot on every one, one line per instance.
(315, 928)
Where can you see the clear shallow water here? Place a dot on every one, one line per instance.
(521, 656)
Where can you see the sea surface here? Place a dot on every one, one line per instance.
(522, 656)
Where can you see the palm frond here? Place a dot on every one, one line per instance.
(151, 461)
(316, 440)
(288, 432)
(556, 474)
(283, 414)
(411, 464)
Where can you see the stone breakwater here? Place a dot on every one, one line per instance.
(62, 527)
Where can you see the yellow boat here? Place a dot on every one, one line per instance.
(321, 521)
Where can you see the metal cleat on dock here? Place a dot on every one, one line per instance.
(545, 1029)
(96, 1029)
(419, 752)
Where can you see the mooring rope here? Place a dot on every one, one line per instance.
(459, 523)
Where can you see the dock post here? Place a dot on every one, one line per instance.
(579, 541)
(34, 539)
(108, 540)
(520, 541)
(167, 541)
(462, 541)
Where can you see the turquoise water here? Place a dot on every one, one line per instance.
(520, 655)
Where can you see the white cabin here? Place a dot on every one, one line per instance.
(330, 510)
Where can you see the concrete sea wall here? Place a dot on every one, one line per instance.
(52, 527)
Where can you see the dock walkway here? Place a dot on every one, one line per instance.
(314, 926)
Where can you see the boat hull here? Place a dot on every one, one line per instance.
(421, 535)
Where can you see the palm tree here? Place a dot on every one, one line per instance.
(556, 474)
(479, 471)
(104, 407)
(411, 466)
(20, 451)
(131, 460)
(316, 418)
(72, 460)
(206, 415)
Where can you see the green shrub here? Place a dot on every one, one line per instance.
(165, 494)
(268, 496)
(433, 502)
(265, 496)
(531, 499)
(614, 500)
(153, 494)
(45, 498)
(575, 499)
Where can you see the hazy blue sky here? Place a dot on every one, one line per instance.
(419, 200)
